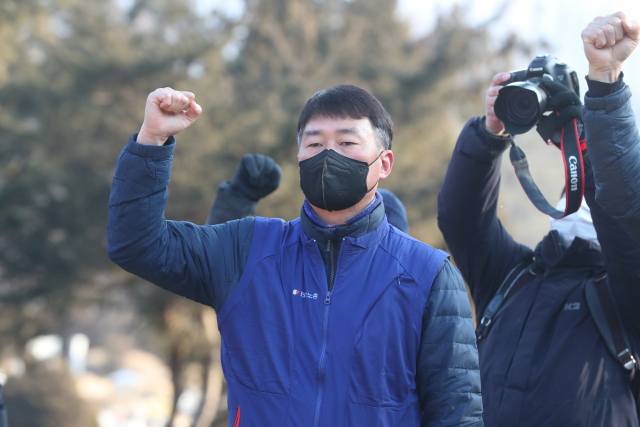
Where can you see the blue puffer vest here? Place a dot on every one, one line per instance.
(294, 354)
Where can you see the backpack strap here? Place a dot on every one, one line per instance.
(604, 312)
(517, 279)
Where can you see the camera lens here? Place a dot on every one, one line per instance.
(522, 106)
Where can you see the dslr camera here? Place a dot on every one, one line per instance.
(523, 101)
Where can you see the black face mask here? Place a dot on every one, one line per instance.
(334, 182)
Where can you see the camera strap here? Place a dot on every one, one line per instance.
(571, 148)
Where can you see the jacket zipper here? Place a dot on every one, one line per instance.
(327, 301)
(557, 245)
(237, 423)
(332, 274)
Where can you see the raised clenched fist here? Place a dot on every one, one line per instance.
(257, 176)
(167, 113)
(608, 42)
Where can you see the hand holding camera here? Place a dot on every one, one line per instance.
(608, 42)
(531, 92)
(545, 86)
(493, 123)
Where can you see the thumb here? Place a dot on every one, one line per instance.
(631, 29)
(193, 112)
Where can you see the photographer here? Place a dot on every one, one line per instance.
(543, 359)
(613, 141)
(335, 318)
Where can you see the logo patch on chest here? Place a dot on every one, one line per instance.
(305, 294)
(572, 306)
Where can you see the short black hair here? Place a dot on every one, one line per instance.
(348, 102)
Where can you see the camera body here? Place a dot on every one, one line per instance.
(522, 102)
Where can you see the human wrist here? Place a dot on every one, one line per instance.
(151, 152)
(147, 138)
(493, 131)
(609, 75)
(598, 89)
(485, 146)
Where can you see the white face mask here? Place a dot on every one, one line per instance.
(578, 224)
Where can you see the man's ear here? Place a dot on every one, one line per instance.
(386, 164)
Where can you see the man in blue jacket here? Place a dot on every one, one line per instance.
(544, 361)
(335, 318)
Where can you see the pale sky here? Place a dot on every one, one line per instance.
(559, 22)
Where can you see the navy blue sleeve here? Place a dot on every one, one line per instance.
(612, 190)
(467, 213)
(202, 263)
(613, 144)
(230, 204)
(448, 376)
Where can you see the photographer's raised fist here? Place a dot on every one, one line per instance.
(167, 113)
(608, 42)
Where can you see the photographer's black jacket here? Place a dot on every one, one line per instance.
(544, 362)
(613, 143)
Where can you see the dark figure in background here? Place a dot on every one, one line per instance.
(544, 361)
(613, 141)
(257, 176)
(3, 411)
(334, 318)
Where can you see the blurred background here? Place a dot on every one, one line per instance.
(82, 343)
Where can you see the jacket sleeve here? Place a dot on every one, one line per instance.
(202, 263)
(448, 376)
(621, 255)
(467, 213)
(613, 144)
(230, 204)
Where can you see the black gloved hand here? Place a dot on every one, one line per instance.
(565, 105)
(257, 176)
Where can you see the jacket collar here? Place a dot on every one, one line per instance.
(550, 253)
(355, 229)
